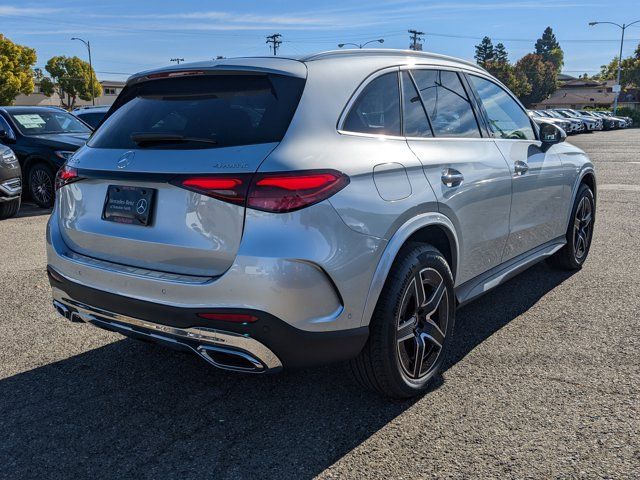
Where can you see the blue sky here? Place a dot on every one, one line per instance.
(128, 36)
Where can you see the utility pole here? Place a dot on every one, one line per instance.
(88, 45)
(415, 40)
(617, 87)
(275, 42)
(177, 60)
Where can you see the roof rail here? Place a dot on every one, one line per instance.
(386, 52)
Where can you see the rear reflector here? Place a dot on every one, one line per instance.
(230, 317)
(278, 192)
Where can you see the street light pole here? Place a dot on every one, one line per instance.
(618, 87)
(88, 45)
(361, 45)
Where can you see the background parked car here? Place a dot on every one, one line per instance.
(590, 124)
(620, 121)
(42, 138)
(609, 121)
(576, 125)
(539, 118)
(606, 124)
(92, 115)
(10, 183)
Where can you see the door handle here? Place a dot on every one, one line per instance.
(451, 177)
(520, 167)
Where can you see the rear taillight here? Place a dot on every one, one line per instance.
(270, 192)
(286, 192)
(65, 176)
(229, 189)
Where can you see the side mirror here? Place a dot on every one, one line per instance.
(6, 137)
(551, 134)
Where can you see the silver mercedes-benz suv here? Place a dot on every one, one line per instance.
(274, 212)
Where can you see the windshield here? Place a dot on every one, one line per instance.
(204, 111)
(39, 123)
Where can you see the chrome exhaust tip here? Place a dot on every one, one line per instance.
(230, 359)
(61, 309)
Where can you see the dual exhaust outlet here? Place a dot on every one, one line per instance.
(242, 354)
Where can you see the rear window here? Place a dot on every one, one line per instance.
(92, 119)
(205, 111)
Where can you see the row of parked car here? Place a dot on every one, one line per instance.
(34, 143)
(580, 121)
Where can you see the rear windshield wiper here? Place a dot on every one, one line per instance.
(153, 137)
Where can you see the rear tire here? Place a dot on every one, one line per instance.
(9, 209)
(579, 233)
(41, 181)
(411, 326)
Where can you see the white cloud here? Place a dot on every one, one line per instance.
(9, 11)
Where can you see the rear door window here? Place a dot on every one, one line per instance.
(447, 104)
(377, 109)
(204, 111)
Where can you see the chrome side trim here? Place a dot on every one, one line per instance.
(480, 285)
(200, 340)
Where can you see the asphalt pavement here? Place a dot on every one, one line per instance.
(543, 382)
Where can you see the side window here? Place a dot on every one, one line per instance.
(377, 109)
(415, 122)
(506, 117)
(447, 104)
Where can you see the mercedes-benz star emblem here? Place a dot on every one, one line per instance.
(125, 159)
(141, 206)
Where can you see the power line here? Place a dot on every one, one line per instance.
(275, 41)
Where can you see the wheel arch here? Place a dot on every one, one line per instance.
(33, 160)
(588, 177)
(432, 228)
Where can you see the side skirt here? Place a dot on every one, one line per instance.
(480, 285)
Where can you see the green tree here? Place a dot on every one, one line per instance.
(16, 70)
(549, 49)
(500, 54)
(509, 76)
(630, 71)
(484, 52)
(541, 75)
(70, 78)
(500, 68)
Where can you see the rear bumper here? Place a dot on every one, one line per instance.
(263, 346)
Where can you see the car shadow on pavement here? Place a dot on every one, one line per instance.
(28, 209)
(130, 409)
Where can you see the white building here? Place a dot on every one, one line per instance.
(110, 90)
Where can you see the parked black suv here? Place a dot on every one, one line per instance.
(42, 138)
(10, 183)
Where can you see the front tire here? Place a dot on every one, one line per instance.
(41, 185)
(411, 326)
(579, 233)
(9, 209)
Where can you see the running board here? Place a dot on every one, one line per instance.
(479, 286)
